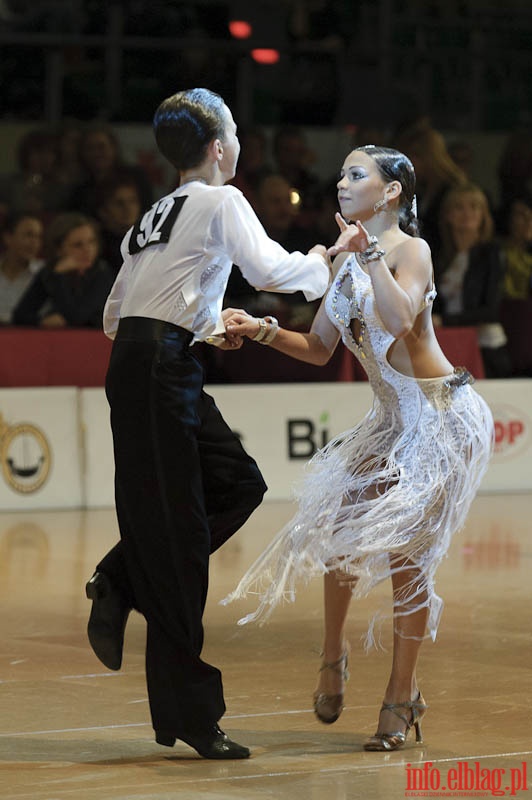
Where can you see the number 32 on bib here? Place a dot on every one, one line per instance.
(156, 225)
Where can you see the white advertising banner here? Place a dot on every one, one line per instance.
(56, 446)
(97, 449)
(510, 401)
(281, 426)
(40, 449)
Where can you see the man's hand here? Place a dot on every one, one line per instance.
(238, 323)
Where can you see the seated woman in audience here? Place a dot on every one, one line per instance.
(22, 240)
(73, 285)
(471, 269)
(517, 248)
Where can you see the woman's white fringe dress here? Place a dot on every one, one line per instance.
(395, 487)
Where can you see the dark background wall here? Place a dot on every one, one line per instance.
(466, 63)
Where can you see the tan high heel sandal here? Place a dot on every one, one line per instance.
(328, 707)
(393, 741)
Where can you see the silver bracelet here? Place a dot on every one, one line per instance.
(372, 251)
(263, 330)
(375, 256)
(272, 333)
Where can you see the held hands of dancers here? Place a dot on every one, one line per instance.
(238, 323)
(226, 341)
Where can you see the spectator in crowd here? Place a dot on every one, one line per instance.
(73, 285)
(19, 260)
(102, 161)
(252, 165)
(118, 206)
(293, 158)
(34, 188)
(278, 215)
(436, 173)
(518, 248)
(278, 211)
(471, 271)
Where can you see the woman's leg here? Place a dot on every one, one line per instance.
(409, 630)
(337, 591)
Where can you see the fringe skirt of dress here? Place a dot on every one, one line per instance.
(383, 496)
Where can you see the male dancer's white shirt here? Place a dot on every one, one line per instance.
(178, 258)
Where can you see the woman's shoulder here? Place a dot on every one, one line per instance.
(411, 249)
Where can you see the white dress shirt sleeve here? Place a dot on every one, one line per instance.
(111, 311)
(264, 263)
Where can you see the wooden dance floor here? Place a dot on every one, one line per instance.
(72, 730)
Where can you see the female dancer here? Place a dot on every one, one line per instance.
(384, 498)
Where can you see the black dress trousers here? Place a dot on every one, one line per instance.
(183, 485)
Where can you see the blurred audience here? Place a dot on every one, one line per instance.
(293, 159)
(517, 230)
(102, 161)
(436, 173)
(326, 225)
(278, 210)
(463, 155)
(471, 270)
(34, 187)
(462, 152)
(19, 260)
(71, 288)
(278, 214)
(77, 183)
(252, 163)
(69, 170)
(118, 206)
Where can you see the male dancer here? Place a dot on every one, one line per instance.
(183, 482)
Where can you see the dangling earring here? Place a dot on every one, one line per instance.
(380, 204)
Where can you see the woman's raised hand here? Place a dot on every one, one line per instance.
(352, 238)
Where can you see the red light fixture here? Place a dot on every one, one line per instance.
(240, 29)
(265, 55)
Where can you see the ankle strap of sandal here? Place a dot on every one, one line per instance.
(339, 666)
(414, 705)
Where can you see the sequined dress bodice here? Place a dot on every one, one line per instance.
(351, 307)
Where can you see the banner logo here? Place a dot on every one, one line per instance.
(512, 431)
(304, 436)
(25, 456)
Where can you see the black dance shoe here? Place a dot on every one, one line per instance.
(107, 621)
(211, 742)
